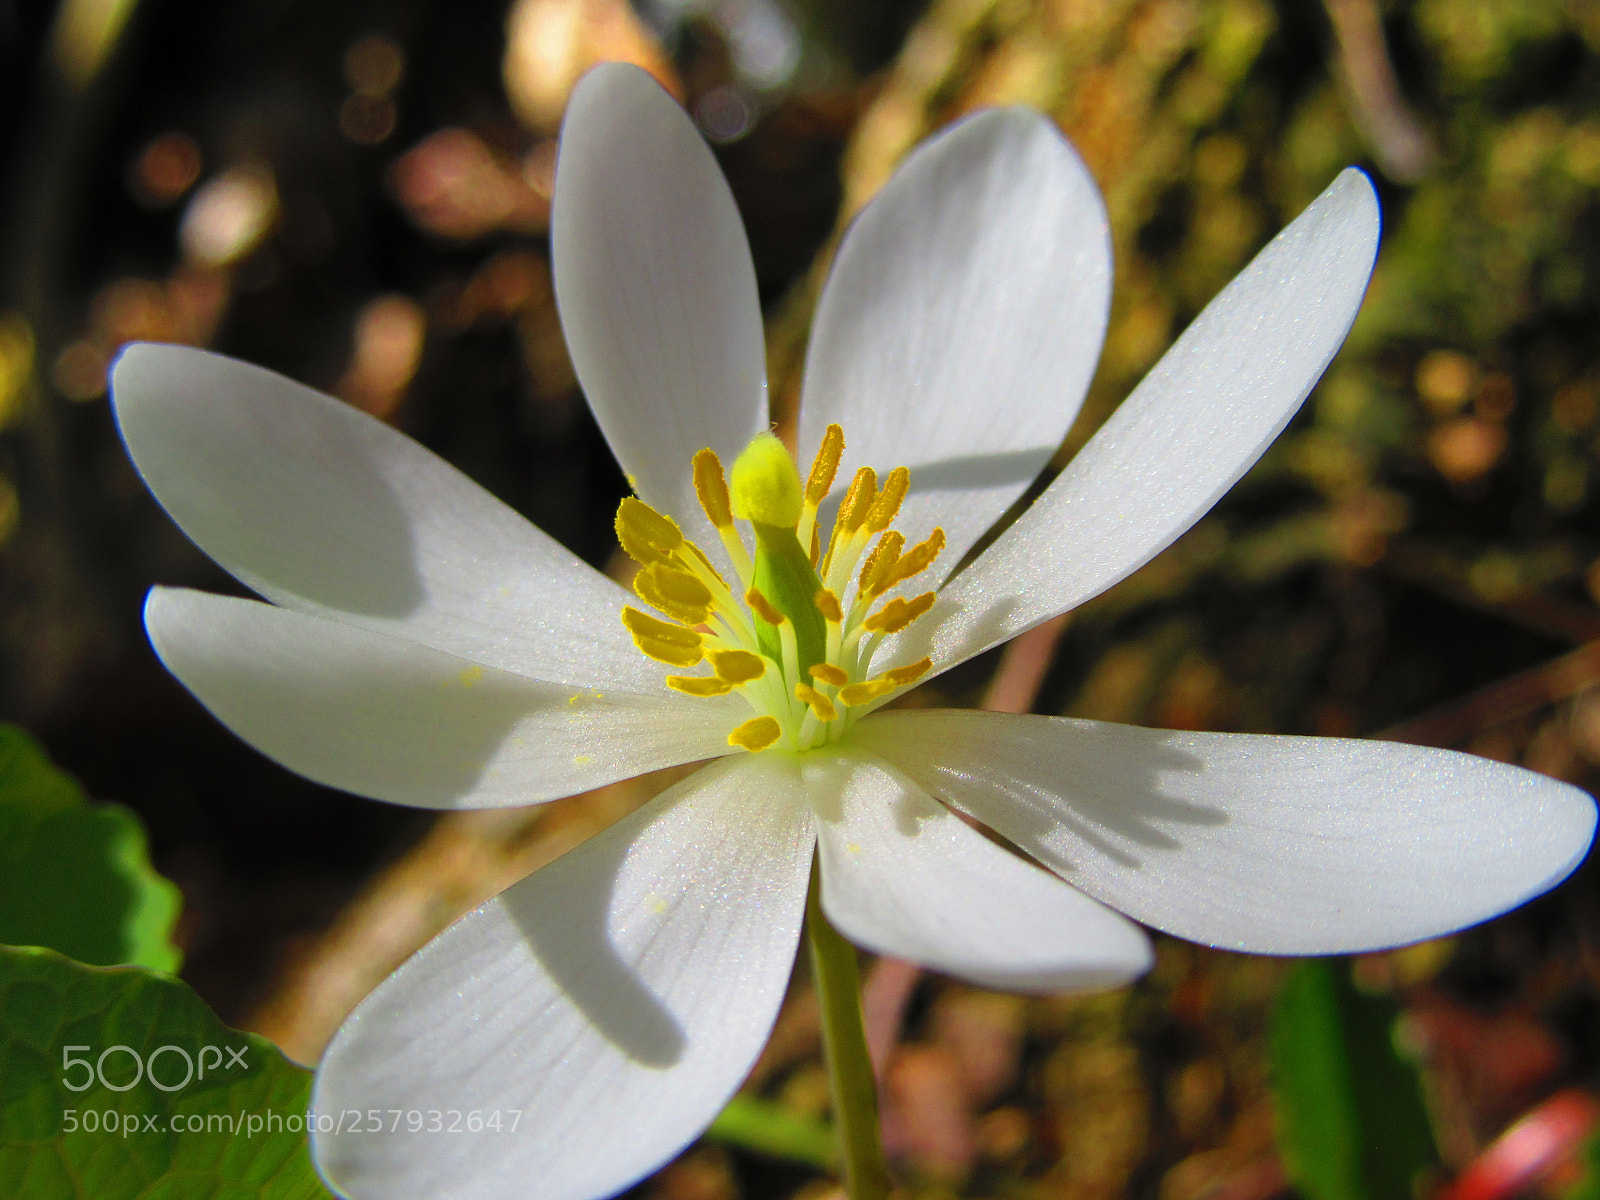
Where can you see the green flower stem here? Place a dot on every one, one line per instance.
(844, 1048)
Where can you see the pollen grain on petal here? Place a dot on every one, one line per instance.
(756, 734)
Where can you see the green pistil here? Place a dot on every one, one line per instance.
(785, 576)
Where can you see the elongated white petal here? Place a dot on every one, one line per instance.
(902, 875)
(320, 508)
(1276, 845)
(602, 1010)
(962, 321)
(396, 721)
(1182, 439)
(655, 287)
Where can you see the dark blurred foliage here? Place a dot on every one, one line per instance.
(355, 194)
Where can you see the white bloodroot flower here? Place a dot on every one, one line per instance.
(423, 644)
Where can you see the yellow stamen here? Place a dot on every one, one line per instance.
(910, 673)
(705, 563)
(880, 562)
(676, 593)
(828, 605)
(897, 614)
(712, 488)
(821, 707)
(887, 505)
(737, 666)
(857, 694)
(699, 685)
(763, 608)
(862, 693)
(829, 674)
(825, 466)
(646, 535)
(858, 501)
(662, 641)
(913, 562)
(756, 734)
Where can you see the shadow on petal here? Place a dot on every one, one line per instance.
(573, 943)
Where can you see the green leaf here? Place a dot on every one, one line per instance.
(75, 876)
(768, 1128)
(126, 1036)
(1351, 1119)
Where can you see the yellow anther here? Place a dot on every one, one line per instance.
(662, 641)
(762, 607)
(913, 562)
(699, 685)
(881, 561)
(676, 593)
(825, 466)
(896, 677)
(756, 734)
(765, 487)
(646, 536)
(829, 674)
(897, 614)
(828, 605)
(887, 505)
(857, 502)
(712, 488)
(737, 666)
(861, 693)
(821, 707)
(910, 673)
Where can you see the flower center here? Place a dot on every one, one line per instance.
(797, 642)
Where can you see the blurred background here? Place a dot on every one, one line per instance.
(356, 195)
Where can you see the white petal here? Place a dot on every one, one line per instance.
(320, 508)
(400, 722)
(1276, 845)
(655, 287)
(604, 1008)
(962, 321)
(1199, 420)
(902, 875)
